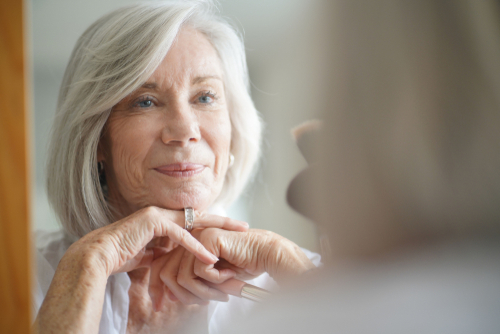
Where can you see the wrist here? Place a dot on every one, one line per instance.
(74, 300)
(86, 260)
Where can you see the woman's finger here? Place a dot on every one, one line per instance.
(188, 280)
(124, 240)
(210, 273)
(168, 275)
(205, 220)
(156, 287)
(141, 260)
(231, 286)
(164, 242)
(163, 228)
(240, 273)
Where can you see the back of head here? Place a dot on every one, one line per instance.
(411, 147)
(408, 153)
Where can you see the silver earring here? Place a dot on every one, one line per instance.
(100, 167)
(231, 160)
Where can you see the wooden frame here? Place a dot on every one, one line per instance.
(15, 251)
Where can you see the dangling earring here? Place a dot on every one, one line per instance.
(231, 160)
(102, 179)
(100, 167)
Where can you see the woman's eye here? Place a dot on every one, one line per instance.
(145, 104)
(207, 98)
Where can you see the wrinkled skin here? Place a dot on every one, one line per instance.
(172, 317)
(179, 116)
(177, 292)
(249, 254)
(75, 297)
(242, 255)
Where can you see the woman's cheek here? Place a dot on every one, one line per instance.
(131, 140)
(130, 165)
(221, 144)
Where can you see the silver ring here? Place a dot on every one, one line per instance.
(189, 218)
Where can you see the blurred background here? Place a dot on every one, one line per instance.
(281, 37)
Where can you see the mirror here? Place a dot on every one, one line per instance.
(280, 38)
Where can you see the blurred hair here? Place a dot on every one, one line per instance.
(112, 58)
(413, 121)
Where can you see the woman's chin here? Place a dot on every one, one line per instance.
(198, 201)
(175, 194)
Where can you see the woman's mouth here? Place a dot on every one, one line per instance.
(181, 169)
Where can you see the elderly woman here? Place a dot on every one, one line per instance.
(154, 115)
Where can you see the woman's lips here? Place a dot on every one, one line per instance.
(181, 169)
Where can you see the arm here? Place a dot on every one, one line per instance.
(75, 295)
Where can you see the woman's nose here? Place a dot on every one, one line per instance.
(181, 126)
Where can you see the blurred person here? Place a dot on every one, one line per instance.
(154, 116)
(405, 177)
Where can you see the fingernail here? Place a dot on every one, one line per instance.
(245, 224)
(215, 258)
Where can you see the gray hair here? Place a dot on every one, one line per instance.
(112, 58)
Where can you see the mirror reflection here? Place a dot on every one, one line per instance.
(281, 57)
(149, 123)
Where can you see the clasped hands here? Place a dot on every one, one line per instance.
(181, 263)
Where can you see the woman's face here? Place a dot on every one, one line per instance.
(167, 144)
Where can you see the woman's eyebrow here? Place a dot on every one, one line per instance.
(150, 85)
(204, 78)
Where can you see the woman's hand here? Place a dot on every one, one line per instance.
(77, 289)
(242, 256)
(175, 266)
(121, 246)
(250, 254)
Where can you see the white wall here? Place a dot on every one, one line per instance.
(281, 37)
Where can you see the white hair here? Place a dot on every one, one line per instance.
(114, 57)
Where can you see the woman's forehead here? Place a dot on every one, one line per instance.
(192, 59)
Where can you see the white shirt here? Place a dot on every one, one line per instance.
(51, 246)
